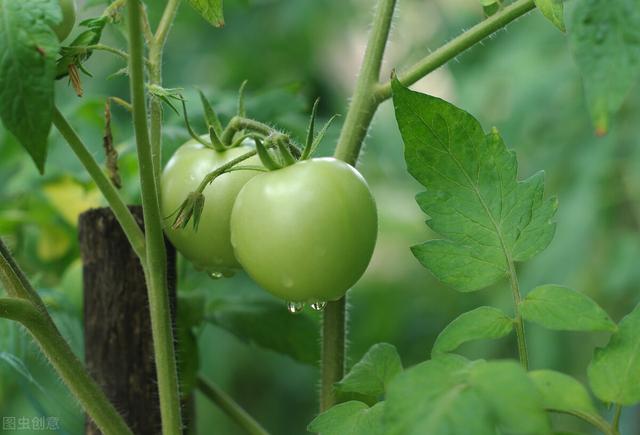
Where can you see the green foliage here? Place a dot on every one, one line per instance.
(478, 324)
(553, 10)
(561, 308)
(451, 396)
(605, 37)
(488, 218)
(210, 10)
(27, 69)
(371, 375)
(614, 373)
(563, 393)
(268, 324)
(350, 418)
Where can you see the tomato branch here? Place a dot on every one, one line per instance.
(156, 255)
(230, 407)
(596, 421)
(239, 123)
(33, 316)
(456, 46)
(359, 116)
(156, 50)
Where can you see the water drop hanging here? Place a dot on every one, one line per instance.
(295, 307)
(318, 305)
(215, 275)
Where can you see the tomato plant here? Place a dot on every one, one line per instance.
(208, 247)
(305, 232)
(249, 202)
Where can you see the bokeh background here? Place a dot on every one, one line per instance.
(523, 81)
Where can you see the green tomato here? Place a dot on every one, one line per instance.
(63, 29)
(305, 233)
(208, 248)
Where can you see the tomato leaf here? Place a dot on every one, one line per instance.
(553, 10)
(562, 393)
(27, 71)
(487, 217)
(449, 396)
(371, 375)
(605, 38)
(481, 323)
(294, 335)
(349, 418)
(563, 309)
(210, 10)
(614, 372)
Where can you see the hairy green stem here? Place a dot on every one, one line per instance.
(368, 95)
(518, 321)
(457, 45)
(14, 280)
(596, 421)
(361, 110)
(65, 362)
(332, 361)
(156, 274)
(364, 104)
(120, 210)
(230, 407)
(156, 50)
(239, 123)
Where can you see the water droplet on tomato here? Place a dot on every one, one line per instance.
(215, 275)
(318, 305)
(295, 307)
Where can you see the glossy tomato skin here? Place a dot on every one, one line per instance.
(208, 248)
(305, 233)
(63, 29)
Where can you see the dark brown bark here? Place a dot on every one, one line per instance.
(118, 340)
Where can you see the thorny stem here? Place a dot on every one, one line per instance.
(155, 270)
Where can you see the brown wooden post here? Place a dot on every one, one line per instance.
(118, 341)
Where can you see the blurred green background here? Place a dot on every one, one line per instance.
(523, 81)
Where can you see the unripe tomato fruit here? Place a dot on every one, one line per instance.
(63, 29)
(208, 247)
(305, 233)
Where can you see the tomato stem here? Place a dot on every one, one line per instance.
(155, 270)
(594, 420)
(457, 45)
(230, 407)
(33, 316)
(239, 123)
(355, 127)
(120, 210)
(616, 418)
